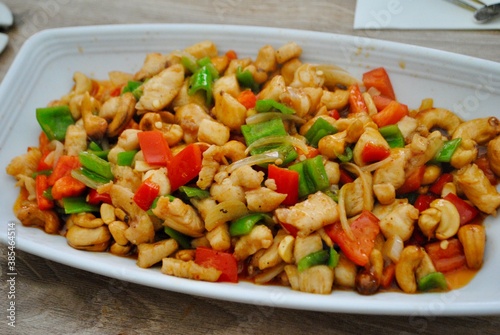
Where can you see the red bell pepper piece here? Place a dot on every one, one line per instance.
(292, 230)
(467, 212)
(185, 166)
(381, 101)
(42, 165)
(287, 182)
(379, 79)
(423, 201)
(373, 153)
(356, 100)
(391, 114)
(247, 98)
(388, 275)
(41, 185)
(154, 147)
(345, 177)
(334, 113)
(67, 186)
(63, 167)
(231, 54)
(364, 228)
(222, 261)
(448, 259)
(413, 181)
(437, 186)
(43, 143)
(146, 194)
(96, 198)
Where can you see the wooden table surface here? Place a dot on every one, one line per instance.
(56, 299)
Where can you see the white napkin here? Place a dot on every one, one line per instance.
(418, 14)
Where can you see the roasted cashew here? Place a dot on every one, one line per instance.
(440, 220)
(439, 118)
(96, 239)
(473, 239)
(172, 133)
(94, 125)
(86, 220)
(122, 110)
(30, 215)
(410, 259)
(494, 155)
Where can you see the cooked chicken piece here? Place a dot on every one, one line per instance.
(260, 237)
(219, 237)
(270, 257)
(372, 136)
(263, 199)
(153, 64)
(478, 189)
(306, 245)
(400, 221)
(226, 190)
(189, 117)
(308, 76)
(317, 279)
(179, 216)
(159, 177)
(391, 173)
(317, 211)
(229, 111)
(24, 164)
(118, 111)
(494, 155)
(148, 254)
(247, 177)
(141, 229)
(75, 140)
(189, 270)
(213, 132)
(273, 88)
(357, 196)
(127, 177)
(160, 90)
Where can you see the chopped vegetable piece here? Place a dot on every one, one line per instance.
(448, 258)
(54, 121)
(189, 62)
(423, 201)
(89, 178)
(126, 158)
(393, 136)
(133, 87)
(185, 166)
(356, 100)
(245, 224)
(434, 280)
(222, 261)
(67, 186)
(466, 211)
(202, 80)
(318, 130)
(449, 147)
(346, 156)
(388, 275)
(287, 182)
(437, 186)
(41, 185)
(194, 192)
(64, 166)
(364, 228)
(94, 146)
(207, 62)
(96, 164)
(315, 258)
(413, 181)
(183, 240)
(247, 98)
(333, 260)
(316, 172)
(245, 78)
(391, 114)
(270, 105)
(96, 198)
(146, 194)
(154, 148)
(381, 101)
(74, 205)
(252, 133)
(379, 79)
(373, 153)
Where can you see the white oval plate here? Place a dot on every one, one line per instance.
(43, 71)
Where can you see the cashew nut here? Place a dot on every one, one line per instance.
(151, 253)
(120, 110)
(94, 125)
(96, 239)
(473, 239)
(86, 220)
(410, 259)
(439, 118)
(30, 215)
(441, 220)
(494, 155)
(172, 133)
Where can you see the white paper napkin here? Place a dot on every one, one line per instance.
(417, 14)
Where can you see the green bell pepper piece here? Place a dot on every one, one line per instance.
(133, 87)
(202, 80)
(245, 78)
(245, 224)
(267, 105)
(126, 158)
(449, 147)
(183, 240)
(92, 162)
(54, 121)
(89, 178)
(346, 156)
(74, 205)
(434, 280)
(333, 260)
(316, 258)
(393, 136)
(253, 132)
(318, 130)
(194, 192)
(316, 172)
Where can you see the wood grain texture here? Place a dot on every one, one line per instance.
(56, 299)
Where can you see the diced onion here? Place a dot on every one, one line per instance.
(224, 212)
(365, 183)
(376, 165)
(263, 158)
(262, 117)
(393, 248)
(286, 139)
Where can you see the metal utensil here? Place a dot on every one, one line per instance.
(6, 21)
(486, 13)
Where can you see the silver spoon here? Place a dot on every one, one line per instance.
(486, 13)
